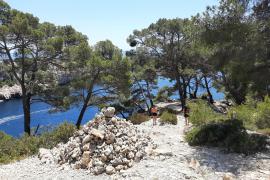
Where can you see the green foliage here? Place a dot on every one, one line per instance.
(255, 115)
(164, 94)
(57, 135)
(263, 119)
(14, 149)
(202, 113)
(168, 118)
(230, 135)
(138, 118)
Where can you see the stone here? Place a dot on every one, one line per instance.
(130, 155)
(110, 170)
(107, 151)
(114, 120)
(116, 162)
(98, 163)
(76, 153)
(45, 156)
(103, 158)
(85, 159)
(130, 163)
(228, 176)
(119, 167)
(110, 139)
(97, 133)
(138, 156)
(194, 164)
(86, 139)
(104, 145)
(108, 112)
(98, 170)
(86, 147)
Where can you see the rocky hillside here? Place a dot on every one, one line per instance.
(172, 158)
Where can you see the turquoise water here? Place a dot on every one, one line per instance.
(11, 113)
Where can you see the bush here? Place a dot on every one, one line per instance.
(229, 134)
(201, 113)
(138, 118)
(14, 149)
(168, 109)
(254, 115)
(168, 118)
(8, 147)
(263, 119)
(245, 113)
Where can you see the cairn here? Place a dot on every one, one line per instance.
(105, 144)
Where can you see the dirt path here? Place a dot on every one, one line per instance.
(173, 159)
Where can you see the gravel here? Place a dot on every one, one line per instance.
(172, 159)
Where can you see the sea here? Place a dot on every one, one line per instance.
(11, 112)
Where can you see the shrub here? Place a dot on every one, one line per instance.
(245, 113)
(168, 118)
(168, 109)
(14, 149)
(138, 118)
(263, 119)
(229, 134)
(8, 147)
(254, 115)
(201, 113)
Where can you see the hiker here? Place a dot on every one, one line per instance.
(154, 111)
(186, 115)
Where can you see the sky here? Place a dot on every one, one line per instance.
(109, 19)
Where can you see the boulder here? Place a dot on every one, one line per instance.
(110, 170)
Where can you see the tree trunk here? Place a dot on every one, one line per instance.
(26, 112)
(143, 95)
(211, 100)
(149, 94)
(181, 93)
(196, 88)
(85, 105)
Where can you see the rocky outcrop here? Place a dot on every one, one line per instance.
(106, 144)
(8, 92)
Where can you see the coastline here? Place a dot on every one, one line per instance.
(9, 92)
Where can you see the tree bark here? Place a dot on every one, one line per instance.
(196, 88)
(180, 91)
(26, 111)
(85, 105)
(149, 94)
(211, 100)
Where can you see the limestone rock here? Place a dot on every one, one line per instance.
(97, 133)
(86, 139)
(104, 145)
(110, 170)
(108, 112)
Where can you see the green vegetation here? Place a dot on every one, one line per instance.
(168, 118)
(229, 134)
(14, 149)
(138, 118)
(163, 94)
(255, 115)
(226, 47)
(201, 113)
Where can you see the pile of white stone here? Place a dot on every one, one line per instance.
(105, 144)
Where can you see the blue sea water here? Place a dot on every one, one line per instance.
(11, 112)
